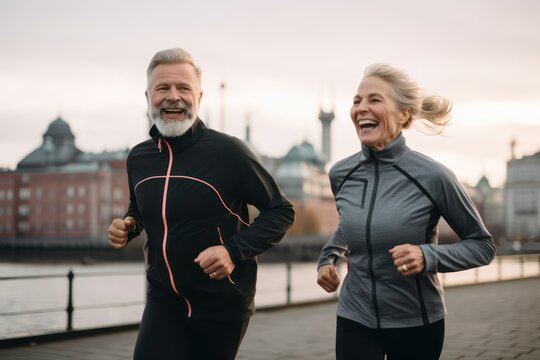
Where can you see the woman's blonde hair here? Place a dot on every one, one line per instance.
(408, 95)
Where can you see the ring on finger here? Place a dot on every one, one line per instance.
(213, 275)
(404, 268)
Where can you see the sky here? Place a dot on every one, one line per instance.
(281, 62)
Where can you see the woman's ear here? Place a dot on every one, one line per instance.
(405, 116)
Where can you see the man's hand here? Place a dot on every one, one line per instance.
(328, 278)
(119, 230)
(408, 259)
(215, 262)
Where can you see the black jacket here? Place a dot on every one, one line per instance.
(190, 193)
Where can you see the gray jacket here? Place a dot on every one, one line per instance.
(392, 197)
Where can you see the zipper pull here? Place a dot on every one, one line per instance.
(159, 146)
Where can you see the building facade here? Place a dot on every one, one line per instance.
(61, 196)
(522, 200)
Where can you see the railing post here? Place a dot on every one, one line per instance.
(289, 282)
(69, 308)
(499, 268)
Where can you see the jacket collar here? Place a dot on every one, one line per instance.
(183, 141)
(391, 153)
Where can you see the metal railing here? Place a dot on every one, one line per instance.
(70, 308)
(296, 287)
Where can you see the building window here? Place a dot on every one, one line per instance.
(24, 210)
(70, 191)
(81, 191)
(118, 194)
(525, 202)
(24, 226)
(24, 194)
(9, 195)
(39, 193)
(118, 211)
(69, 208)
(69, 224)
(80, 208)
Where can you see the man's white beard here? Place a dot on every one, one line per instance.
(172, 128)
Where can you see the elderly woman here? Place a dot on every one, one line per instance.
(390, 199)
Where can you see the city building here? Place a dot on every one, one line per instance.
(60, 195)
(522, 202)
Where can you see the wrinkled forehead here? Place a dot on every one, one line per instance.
(174, 73)
(374, 85)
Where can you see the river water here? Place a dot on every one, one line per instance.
(114, 294)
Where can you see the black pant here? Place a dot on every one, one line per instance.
(167, 333)
(358, 342)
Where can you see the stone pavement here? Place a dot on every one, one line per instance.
(488, 321)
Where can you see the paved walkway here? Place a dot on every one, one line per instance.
(488, 321)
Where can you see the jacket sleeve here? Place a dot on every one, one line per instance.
(334, 249)
(133, 210)
(276, 214)
(476, 247)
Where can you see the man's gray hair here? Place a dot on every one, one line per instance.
(172, 56)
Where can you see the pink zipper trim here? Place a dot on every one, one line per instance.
(168, 176)
(221, 241)
(166, 227)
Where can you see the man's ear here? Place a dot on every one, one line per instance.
(146, 95)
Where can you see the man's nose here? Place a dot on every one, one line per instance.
(173, 94)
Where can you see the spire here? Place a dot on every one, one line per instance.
(513, 148)
(222, 107)
(248, 128)
(326, 119)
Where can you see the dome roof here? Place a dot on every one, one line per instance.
(304, 152)
(58, 148)
(58, 128)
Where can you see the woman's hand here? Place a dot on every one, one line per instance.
(328, 278)
(408, 259)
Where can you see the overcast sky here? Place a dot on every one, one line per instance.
(281, 61)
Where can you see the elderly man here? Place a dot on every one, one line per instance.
(189, 189)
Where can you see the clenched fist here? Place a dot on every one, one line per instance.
(119, 230)
(328, 278)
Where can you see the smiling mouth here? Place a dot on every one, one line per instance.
(367, 124)
(173, 111)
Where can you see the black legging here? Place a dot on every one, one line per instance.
(358, 342)
(167, 333)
